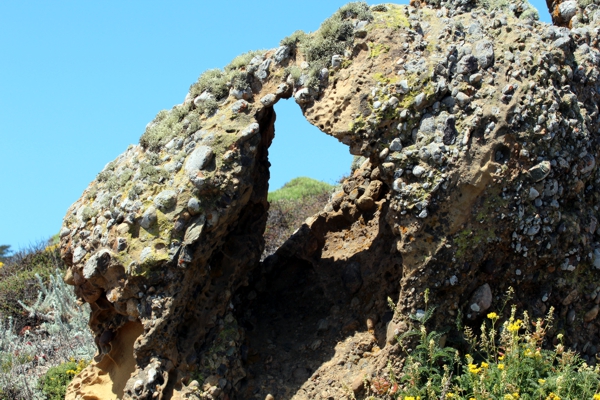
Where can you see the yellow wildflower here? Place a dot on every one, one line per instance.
(501, 367)
(493, 316)
(473, 369)
(515, 326)
(541, 381)
(552, 396)
(501, 358)
(484, 365)
(508, 397)
(596, 397)
(1, 264)
(528, 353)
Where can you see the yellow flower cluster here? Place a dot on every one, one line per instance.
(553, 396)
(473, 369)
(493, 316)
(596, 397)
(501, 367)
(511, 396)
(412, 398)
(515, 326)
(1, 264)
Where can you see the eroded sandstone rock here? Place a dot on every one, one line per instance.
(479, 132)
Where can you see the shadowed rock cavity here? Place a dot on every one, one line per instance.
(478, 132)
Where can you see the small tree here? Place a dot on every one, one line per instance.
(4, 252)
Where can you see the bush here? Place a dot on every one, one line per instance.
(506, 361)
(300, 188)
(54, 382)
(166, 125)
(290, 206)
(18, 279)
(26, 353)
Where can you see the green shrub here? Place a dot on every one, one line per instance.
(506, 361)
(18, 279)
(295, 38)
(300, 188)
(243, 60)
(166, 125)
(289, 208)
(54, 383)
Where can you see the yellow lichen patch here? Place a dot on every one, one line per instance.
(376, 49)
(394, 17)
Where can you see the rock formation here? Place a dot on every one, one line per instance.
(478, 128)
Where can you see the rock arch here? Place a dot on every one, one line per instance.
(479, 130)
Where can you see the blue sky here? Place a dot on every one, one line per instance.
(79, 81)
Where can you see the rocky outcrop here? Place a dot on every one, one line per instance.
(478, 128)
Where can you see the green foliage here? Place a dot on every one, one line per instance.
(4, 252)
(54, 383)
(18, 278)
(289, 208)
(243, 60)
(299, 188)
(333, 37)
(295, 38)
(508, 363)
(166, 125)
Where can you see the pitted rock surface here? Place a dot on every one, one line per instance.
(478, 130)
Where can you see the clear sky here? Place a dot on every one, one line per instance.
(79, 81)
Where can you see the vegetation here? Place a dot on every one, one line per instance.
(290, 206)
(506, 361)
(18, 279)
(54, 382)
(300, 188)
(26, 324)
(334, 36)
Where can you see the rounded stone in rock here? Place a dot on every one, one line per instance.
(149, 218)
(78, 254)
(365, 203)
(64, 231)
(241, 94)
(165, 200)
(462, 99)
(282, 53)
(533, 194)
(418, 171)
(197, 160)
(481, 299)
(336, 61)
(249, 131)
(303, 96)
(268, 100)
(567, 9)
(592, 314)
(540, 171)
(396, 145)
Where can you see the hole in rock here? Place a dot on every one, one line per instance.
(322, 291)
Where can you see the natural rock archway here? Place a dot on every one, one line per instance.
(479, 129)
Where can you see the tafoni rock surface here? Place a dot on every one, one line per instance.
(478, 127)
